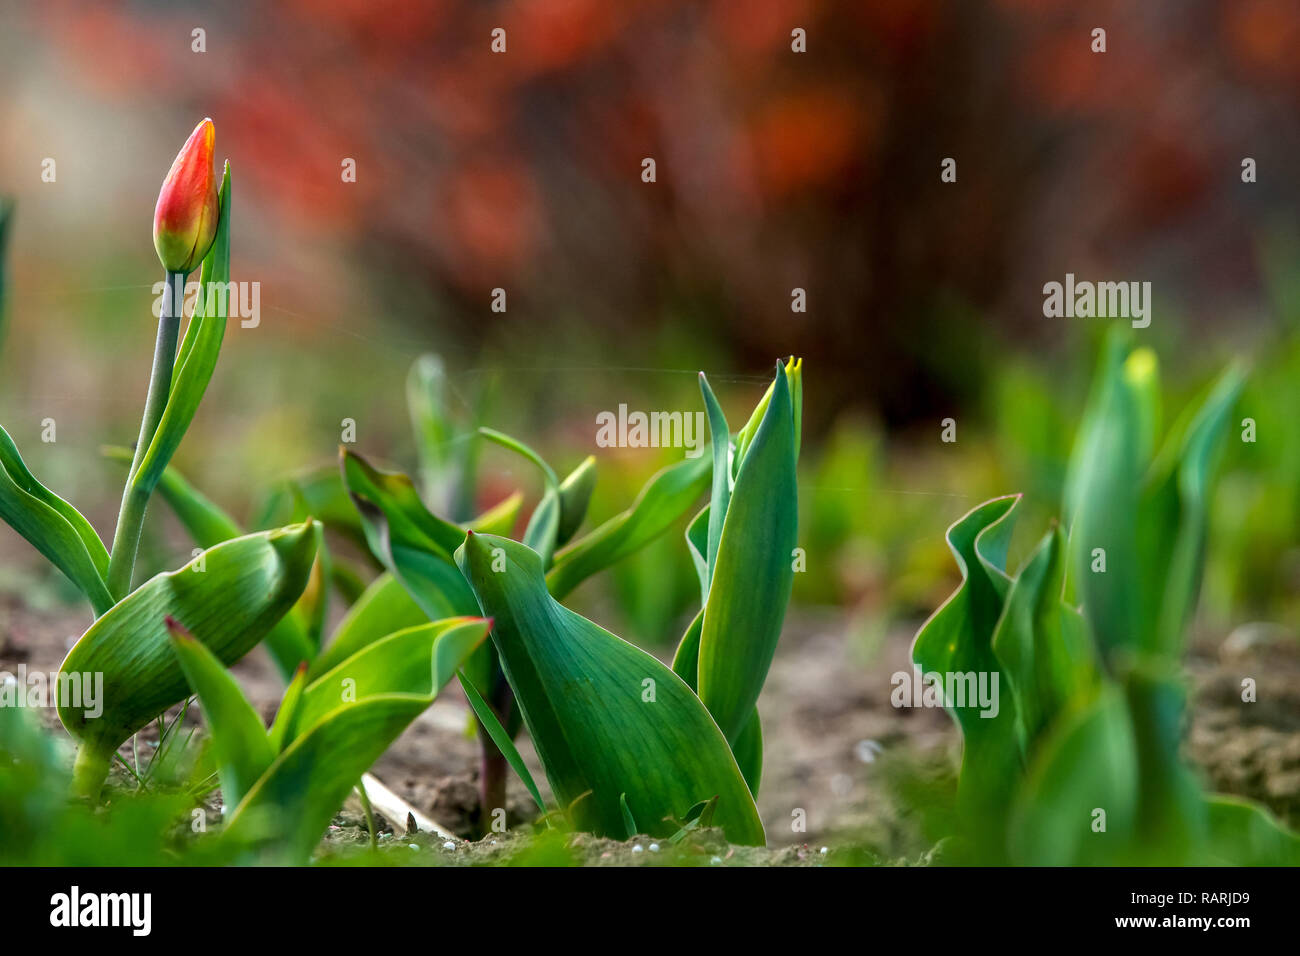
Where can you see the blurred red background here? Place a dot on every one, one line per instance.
(775, 169)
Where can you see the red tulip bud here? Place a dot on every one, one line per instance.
(185, 219)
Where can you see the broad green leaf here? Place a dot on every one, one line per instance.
(410, 523)
(239, 741)
(383, 608)
(1041, 643)
(955, 645)
(243, 588)
(52, 526)
(408, 540)
(575, 496)
(197, 357)
(753, 573)
(393, 665)
(501, 737)
(667, 496)
(335, 742)
(606, 717)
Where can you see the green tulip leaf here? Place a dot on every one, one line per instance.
(409, 542)
(1176, 511)
(291, 641)
(287, 712)
(431, 421)
(318, 492)
(748, 748)
(1102, 499)
(410, 523)
(667, 496)
(720, 440)
(286, 812)
(544, 525)
(607, 719)
(1245, 834)
(1041, 642)
(393, 665)
(384, 607)
(794, 381)
(575, 496)
(1088, 763)
(202, 518)
(52, 526)
(753, 571)
(697, 543)
(229, 598)
(334, 740)
(955, 645)
(501, 737)
(239, 741)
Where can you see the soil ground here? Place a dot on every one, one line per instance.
(842, 767)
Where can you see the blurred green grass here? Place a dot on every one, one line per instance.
(875, 499)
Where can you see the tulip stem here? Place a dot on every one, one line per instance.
(135, 497)
(89, 771)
